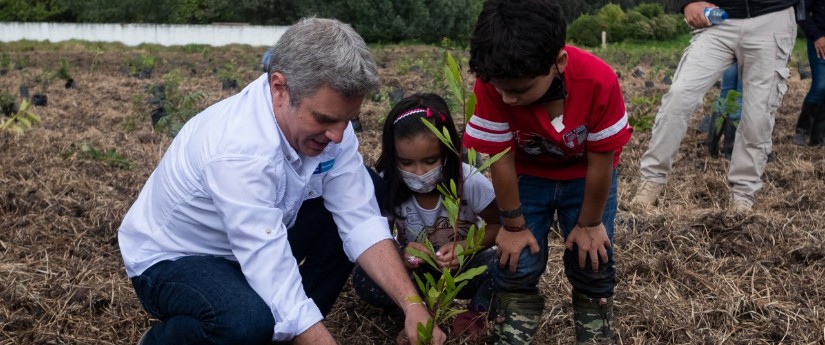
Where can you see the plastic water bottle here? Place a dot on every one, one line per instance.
(715, 15)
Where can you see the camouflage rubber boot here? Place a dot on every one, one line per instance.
(594, 319)
(517, 317)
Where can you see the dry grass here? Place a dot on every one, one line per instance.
(689, 272)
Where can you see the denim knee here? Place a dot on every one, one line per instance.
(527, 274)
(249, 323)
(593, 284)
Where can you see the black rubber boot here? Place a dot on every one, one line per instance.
(729, 129)
(804, 123)
(818, 128)
(715, 131)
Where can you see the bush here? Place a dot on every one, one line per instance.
(666, 27)
(645, 22)
(618, 32)
(611, 14)
(650, 10)
(586, 30)
(637, 26)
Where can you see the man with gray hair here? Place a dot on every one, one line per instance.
(242, 233)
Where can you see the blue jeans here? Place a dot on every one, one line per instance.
(816, 94)
(730, 81)
(542, 201)
(206, 299)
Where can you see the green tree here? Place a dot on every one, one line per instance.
(31, 10)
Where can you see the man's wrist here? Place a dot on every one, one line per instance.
(413, 305)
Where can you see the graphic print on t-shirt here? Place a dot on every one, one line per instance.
(535, 144)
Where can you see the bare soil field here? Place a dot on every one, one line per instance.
(690, 272)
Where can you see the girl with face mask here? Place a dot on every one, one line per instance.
(413, 162)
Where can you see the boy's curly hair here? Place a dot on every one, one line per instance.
(516, 39)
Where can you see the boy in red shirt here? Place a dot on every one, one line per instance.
(560, 111)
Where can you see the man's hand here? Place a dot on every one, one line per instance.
(445, 256)
(592, 242)
(316, 334)
(510, 245)
(819, 44)
(695, 14)
(412, 261)
(382, 264)
(415, 314)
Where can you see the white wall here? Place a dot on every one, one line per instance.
(134, 34)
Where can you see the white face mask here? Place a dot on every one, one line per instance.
(424, 183)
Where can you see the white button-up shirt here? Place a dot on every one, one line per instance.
(230, 185)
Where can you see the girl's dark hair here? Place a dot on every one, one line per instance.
(409, 127)
(516, 39)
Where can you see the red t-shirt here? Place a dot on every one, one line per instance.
(594, 119)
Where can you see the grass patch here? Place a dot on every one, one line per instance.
(631, 54)
(110, 157)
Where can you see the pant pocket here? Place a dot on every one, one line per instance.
(781, 87)
(784, 43)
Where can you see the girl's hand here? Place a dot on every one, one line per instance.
(592, 242)
(445, 256)
(411, 261)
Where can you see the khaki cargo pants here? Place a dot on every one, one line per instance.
(761, 47)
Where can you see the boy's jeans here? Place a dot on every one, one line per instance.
(540, 200)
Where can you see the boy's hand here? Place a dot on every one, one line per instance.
(445, 256)
(592, 242)
(411, 261)
(510, 245)
(695, 14)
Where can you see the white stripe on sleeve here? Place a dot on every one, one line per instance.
(490, 125)
(487, 136)
(609, 131)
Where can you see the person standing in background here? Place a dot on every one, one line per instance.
(810, 128)
(759, 37)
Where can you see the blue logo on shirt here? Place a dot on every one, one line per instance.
(324, 166)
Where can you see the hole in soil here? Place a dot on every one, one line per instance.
(40, 99)
(229, 84)
(808, 255)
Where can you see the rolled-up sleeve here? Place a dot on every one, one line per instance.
(349, 195)
(245, 190)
